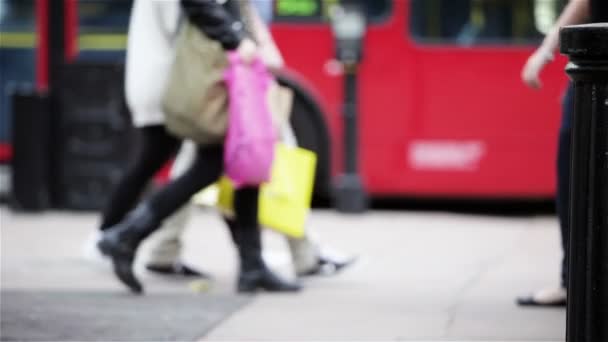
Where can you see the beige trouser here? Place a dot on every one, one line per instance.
(165, 245)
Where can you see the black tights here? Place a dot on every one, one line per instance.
(155, 150)
(207, 169)
(157, 147)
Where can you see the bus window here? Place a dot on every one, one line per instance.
(471, 22)
(317, 11)
(17, 54)
(103, 26)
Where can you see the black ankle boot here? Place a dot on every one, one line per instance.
(264, 279)
(254, 275)
(121, 241)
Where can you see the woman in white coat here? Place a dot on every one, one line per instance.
(152, 32)
(165, 246)
(152, 29)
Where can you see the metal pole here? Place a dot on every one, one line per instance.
(56, 43)
(350, 123)
(587, 48)
(350, 195)
(42, 50)
(56, 60)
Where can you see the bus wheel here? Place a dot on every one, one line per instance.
(311, 133)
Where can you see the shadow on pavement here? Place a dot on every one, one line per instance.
(111, 316)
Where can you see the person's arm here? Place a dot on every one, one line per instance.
(575, 12)
(268, 49)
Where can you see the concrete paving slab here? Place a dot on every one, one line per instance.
(421, 277)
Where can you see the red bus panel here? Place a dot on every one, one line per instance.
(437, 120)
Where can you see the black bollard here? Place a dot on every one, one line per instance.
(587, 48)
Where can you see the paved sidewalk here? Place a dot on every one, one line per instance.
(421, 276)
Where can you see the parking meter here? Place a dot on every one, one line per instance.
(348, 26)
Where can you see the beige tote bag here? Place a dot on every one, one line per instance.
(196, 99)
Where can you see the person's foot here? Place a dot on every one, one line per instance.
(264, 279)
(122, 256)
(328, 265)
(551, 297)
(178, 269)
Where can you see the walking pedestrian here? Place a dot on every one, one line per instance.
(575, 12)
(222, 23)
(165, 246)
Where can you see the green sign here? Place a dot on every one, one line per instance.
(297, 8)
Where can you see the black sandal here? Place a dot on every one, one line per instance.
(558, 300)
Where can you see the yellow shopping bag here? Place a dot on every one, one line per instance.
(285, 200)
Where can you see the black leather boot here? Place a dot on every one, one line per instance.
(121, 241)
(261, 278)
(254, 275)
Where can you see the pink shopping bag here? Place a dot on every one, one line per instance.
(251, 137)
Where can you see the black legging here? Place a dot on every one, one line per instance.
(155, 150)
(157, 147)
(206, 169)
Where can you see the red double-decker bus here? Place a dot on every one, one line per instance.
(442, 110)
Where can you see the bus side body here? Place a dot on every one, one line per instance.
(435, 120)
